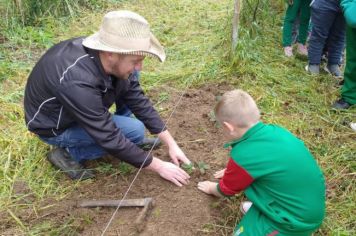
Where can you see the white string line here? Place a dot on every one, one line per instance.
(148, 154)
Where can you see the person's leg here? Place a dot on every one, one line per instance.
(290, 16)
(336, 40)
(82, 147)
(304, 21)
(322, 20)
(348, 91)
(254, 223)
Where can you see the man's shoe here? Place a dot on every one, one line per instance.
(245, 206)
(313, 69)
(61, 159)
(148, 143)
(334, 70)
(341, 104)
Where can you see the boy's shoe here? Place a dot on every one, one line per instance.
(302, 49)
(353, 126)
(313, 69)
(245, 206)
(334, 70)
(341, 104)
(61, 159)
(148, 143)
(288, 51)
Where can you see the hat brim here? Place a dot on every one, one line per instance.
(155, 50)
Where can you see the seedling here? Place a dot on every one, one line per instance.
(189, 168)
(203, 167)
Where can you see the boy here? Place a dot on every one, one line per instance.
(273, 167)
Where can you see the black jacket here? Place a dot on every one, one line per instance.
(69, 86)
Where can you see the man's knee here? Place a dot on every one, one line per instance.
(139, 132)
(133, 129)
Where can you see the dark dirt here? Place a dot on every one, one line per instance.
(177, 211)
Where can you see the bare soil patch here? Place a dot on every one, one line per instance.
(177, 211)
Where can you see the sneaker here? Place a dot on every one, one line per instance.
(288, 51)
(148, 143)
(341, 104)
(353, 126)
(312, 69)
(61, 159)
(245, 206)
(334, 70)
(302, 49)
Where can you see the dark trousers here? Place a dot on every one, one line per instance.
(328, 29)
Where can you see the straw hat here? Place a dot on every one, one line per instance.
(125, 32)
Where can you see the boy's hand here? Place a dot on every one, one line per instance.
(219, 174)
(209, 187)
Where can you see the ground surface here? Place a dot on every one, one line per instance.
(177, 211)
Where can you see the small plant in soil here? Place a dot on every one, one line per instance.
(200, 168)
(189, 168)
(203, 167)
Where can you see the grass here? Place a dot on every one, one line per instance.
(196, 35)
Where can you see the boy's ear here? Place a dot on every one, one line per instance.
(228, 126)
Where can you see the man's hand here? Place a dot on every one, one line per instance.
(178, 155)
(174, 150)
(219, 174)
(169, 172)
(209, 187)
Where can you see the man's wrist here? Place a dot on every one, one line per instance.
(167, 138)
(154, 165)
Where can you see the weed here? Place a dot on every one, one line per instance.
(125, 168)
(105, 168)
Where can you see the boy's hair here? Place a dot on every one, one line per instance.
(238, 108)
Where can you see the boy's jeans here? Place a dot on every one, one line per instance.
(328, 28)
(82, 147)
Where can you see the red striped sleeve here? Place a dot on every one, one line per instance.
(234, 180)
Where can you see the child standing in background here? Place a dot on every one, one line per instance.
(273, 167)
(295, 7)
(348, 91)
(328, 31)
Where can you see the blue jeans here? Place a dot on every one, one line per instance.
(328, 29)
(82, 147)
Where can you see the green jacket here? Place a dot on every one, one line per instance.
(279, 175)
